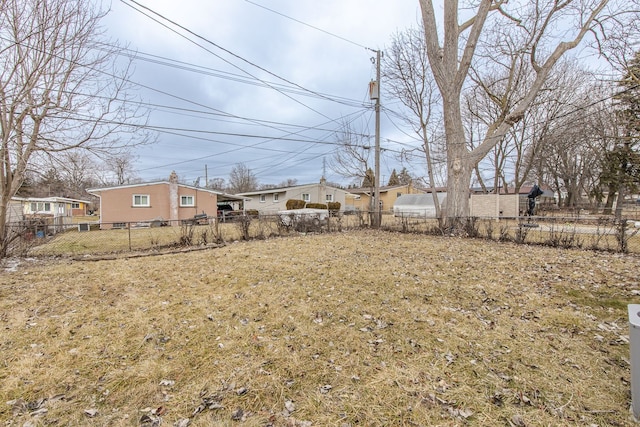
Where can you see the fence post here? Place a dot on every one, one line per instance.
(622, 235)
(634, 356)
(129, 231)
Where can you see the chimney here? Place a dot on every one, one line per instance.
(173, 196)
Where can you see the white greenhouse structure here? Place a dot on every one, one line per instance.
(417, 205)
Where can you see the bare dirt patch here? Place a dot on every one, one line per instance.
(359, 328)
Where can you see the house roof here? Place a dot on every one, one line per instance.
(384, 189)
(524, 190)
(222, 197)
(418, 200)
(50, 199)
(285, 189)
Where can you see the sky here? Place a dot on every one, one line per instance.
(264, 82)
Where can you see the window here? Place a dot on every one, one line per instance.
(75, 205)
(306, 197)
(276, 197)
(398, 194)
(140, 200)
(329, 198)
(263, 198)
(187, 201)
(40, 207)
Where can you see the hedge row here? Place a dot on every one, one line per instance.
(299, 204)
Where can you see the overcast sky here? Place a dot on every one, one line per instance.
(240, 82)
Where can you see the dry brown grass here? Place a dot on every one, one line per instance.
(360, 328)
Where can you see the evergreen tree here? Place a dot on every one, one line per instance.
(369, 179)
(393, 179)
(404, 178)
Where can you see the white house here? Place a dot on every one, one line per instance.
(273, 200)
(54, 207)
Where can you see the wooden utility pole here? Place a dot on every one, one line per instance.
(376, 192)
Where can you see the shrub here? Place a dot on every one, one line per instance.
(295, 204)
(316, 206)
(334, 206)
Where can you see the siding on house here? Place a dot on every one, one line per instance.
(54, 206)
(117, 205)
(156, 200)
(275, 199)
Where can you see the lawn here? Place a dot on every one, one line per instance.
(359, 328)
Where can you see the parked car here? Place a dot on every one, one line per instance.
(223, 208)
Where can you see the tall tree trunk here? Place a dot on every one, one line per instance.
(450, 57)
(611, 198)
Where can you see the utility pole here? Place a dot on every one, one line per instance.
(374, 93)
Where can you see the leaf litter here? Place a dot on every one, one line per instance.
(358, 328)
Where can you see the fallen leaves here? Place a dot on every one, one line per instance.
(330, 339)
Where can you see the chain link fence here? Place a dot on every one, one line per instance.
(37, 238)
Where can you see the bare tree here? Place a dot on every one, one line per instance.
(78, 170)
(217, 184)
(621, 160)
(570, 161)
(530, 26)
(120, 168)
(352, 159)
(241, 179)
(289, 182)
(567, 88)
(409, 79)
(59, 89)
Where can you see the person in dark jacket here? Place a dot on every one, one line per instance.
(533, 194)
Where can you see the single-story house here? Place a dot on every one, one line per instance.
(157, 201)
(54, 213)
(54, 207)
(272, 200)
(388, 196)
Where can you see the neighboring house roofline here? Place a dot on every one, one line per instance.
(285, 189)
(224, 196)
(51, 199)
(387, 188)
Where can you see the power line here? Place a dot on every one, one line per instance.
(180, 65)
(226, 51)
(309, 25)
